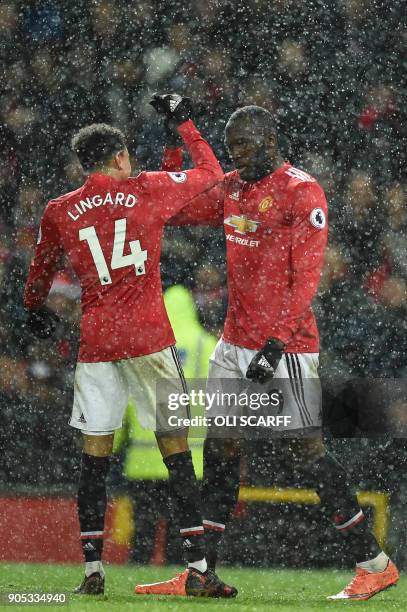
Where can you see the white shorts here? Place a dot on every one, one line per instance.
(103, 390)
(296, 378)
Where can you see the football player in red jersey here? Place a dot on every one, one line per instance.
(275, 221)
(110, 229)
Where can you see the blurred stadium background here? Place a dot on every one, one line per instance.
(333, 74)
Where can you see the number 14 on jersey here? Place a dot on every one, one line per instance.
(136, 258)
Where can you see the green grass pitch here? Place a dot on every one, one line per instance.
(259, 590)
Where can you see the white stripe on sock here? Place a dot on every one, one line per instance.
(188, 529)
(352, 520)
(213, 524)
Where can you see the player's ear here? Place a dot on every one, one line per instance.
(118, 160)
(272, 144)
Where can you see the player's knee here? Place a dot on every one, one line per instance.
(97, 446)
(172, 445)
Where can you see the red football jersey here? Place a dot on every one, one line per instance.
(111, 232)
(276, 233)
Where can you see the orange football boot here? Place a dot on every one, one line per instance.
(367, 584)
(175, 586)
(191, 582)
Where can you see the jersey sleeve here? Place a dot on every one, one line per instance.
(169, 192)
(206, 209)
(46, 261)
(172, 159)
(309, 238)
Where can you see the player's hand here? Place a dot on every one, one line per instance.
(172, 139)
(43, 322)
(264, 364)
(177, 109)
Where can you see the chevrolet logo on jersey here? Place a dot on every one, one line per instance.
(242, 224)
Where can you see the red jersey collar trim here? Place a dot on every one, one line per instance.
(281, 169)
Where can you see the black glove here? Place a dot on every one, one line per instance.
(177, 108)
(43, 322)
(264, 364)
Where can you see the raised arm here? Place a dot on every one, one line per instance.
(172, 159)
(206, 209)
(170, 191)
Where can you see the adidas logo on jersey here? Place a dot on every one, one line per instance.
(263, 362)
(82, 418)
(89, 547)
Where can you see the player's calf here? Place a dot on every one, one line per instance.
(220, 490)
(91, 510)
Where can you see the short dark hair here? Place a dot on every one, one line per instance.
(96, 144)
(258, 116)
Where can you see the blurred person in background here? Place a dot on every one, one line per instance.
(394, 237)
(41, 383)
(392, 358)
(379, 132)
(363, 340)
(352, 328)
(210, 293)
(145, 474)
(360, 221)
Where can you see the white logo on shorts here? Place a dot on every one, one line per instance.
(263, 362)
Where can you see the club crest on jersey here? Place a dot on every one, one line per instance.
(241, 224)
(317, 218)
(177, 177)
(235, 195)
(266, 204)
